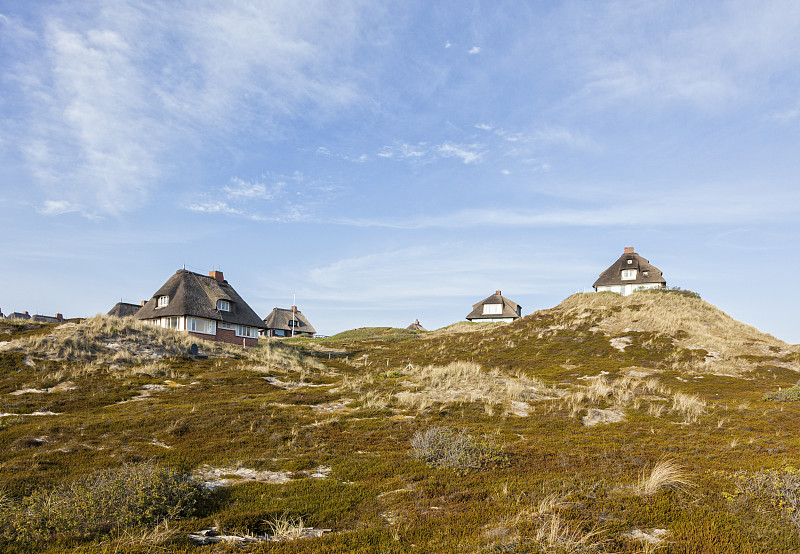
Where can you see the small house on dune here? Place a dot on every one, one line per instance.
(495, 308)
(204, 306)
(282, 322)
(629, 273)
(416, 326)
(124, 309)
(39, 318)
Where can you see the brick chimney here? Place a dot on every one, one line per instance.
(294, 309)
(497, 292)
(26, 312)
(59, 316)
(144, 302)
(629, 250)
(216, 275)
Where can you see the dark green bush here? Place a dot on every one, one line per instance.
(129, 496)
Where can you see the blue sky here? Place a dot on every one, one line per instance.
(399, 161)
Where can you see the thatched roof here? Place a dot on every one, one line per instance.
(192, 294)
(416, 326)
(645, 273)
(279, 319)
(18, 315)
(510, 308)
(38, 318)
(124, 309)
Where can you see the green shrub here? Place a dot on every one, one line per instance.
(777, 487)
(444, 447)
(787, 395)
(129, 496)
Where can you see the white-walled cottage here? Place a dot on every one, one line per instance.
(629, 273)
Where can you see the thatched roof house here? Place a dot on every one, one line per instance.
(22, 316)
(282, 322)
(124, 309)
(629, 273)
(416, 326)
(205, 306)
(495, 308)
(58, 318)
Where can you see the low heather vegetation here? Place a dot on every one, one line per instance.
(650, 423)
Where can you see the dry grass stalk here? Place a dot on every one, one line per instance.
(689, 405)
(285, 528)
(666, 473)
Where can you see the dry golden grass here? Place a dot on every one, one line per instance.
(689, 405)
(699, 324)
(469, 382)
(666, 473)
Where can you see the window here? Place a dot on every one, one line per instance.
(223, 305)
(628, 274)
(630, 262)
(169, 322)
(198, 325)
(294, 323)
(225, 326)
(492, 309)
(162, 301)
(245, 331)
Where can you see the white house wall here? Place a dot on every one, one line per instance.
(625, 290)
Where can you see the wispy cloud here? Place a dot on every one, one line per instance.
(108, 93)
(439, 270)
(467, 153)
(58, 207)
(241, 189)
(705, 205)
(474, 50)
(708, 60)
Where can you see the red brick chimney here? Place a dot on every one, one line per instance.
(294, 309)
(26, 312)
(216, 275)
(497, 292)
(144, 302)
(59, 317)
(629, 250)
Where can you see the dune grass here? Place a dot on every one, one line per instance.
(354, 443)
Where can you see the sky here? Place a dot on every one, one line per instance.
(383, 162)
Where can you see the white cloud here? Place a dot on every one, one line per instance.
(58, 207)
(700, 205)
(111, 91)
(444, 270)
(241, 189)
(447, 44)
(213, 207)
(474, 50)
(705, 57)
(467, 153)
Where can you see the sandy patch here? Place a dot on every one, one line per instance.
(597, 417)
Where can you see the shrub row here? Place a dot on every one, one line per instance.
(129, 496)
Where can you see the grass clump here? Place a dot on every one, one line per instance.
(666, 474)
(444, 447)
(786, 395)
(108, 500)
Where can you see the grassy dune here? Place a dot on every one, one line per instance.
(650, 423)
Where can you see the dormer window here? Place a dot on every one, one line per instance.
(628, 274)
(223, 305)
(492, 309)
(630, 262)
(162, 301)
